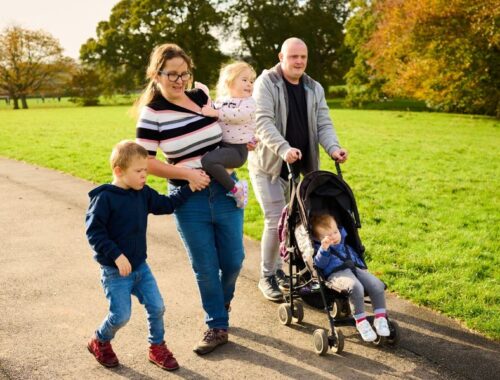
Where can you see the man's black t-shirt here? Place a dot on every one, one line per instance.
(297, 131)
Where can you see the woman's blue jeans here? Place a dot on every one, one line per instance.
(142, 284)
(211, 227)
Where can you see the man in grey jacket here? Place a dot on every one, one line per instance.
(292, 118)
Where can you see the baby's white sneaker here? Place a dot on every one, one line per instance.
(366, 331)
(382, 326)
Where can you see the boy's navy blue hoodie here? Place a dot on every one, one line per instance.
(117, 219)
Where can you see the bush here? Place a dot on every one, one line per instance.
(337, 92)
(86, 87)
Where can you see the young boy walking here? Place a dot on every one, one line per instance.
(116, 223)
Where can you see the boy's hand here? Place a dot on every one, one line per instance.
(209, 111)
(327, 242)
(123, 265)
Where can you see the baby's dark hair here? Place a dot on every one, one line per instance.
(124, 152)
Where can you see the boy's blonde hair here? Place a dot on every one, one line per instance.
(228, 74)
(124, 153)
(321, 220)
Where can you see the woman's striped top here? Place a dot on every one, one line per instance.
(183, 136)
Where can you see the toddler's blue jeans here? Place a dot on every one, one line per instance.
(142, 284)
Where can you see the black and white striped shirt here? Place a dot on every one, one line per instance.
(183, 136)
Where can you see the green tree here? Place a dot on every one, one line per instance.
(86, 86)
(135, 27)
(263, 25)
(323, 30)
(363, 84)
(29, 60)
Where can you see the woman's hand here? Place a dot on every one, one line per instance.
(198, 179)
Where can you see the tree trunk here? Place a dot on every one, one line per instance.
(24, 102)
(15, 102)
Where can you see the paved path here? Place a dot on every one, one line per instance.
(51, 300)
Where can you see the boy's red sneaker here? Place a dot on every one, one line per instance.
(103, 352)
(160, 355)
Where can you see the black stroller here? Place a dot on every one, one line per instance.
(319, 191)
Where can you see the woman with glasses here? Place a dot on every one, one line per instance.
(209, 223)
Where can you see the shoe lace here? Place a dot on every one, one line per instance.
(364, 327)
(213, 334)
(273, 282)
(381, 322)
(105, 350)
(161, 351)
(210, 335)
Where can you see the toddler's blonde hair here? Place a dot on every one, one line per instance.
(228, 74)
(124, 153)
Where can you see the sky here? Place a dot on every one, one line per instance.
(71, 22)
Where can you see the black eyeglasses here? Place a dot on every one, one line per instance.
(174, 77)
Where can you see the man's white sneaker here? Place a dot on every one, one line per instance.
(382, 326)
(366, 331)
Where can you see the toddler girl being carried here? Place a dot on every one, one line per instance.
(235, 109)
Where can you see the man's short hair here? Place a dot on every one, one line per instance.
(124, 152)
(291, 40)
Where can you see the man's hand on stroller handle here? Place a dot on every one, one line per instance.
(292, 155)
(340, 155)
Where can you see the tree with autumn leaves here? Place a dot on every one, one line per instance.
(31, 62)
(445, 52)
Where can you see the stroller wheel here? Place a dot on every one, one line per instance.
(298, 313)
(379, 341)
(393, 339)
(320, 339)
(336, 341)
(285, 314)
(338, 309)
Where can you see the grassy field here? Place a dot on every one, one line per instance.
(426, 185)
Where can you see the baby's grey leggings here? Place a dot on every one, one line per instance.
(228, 156)
(356, 286)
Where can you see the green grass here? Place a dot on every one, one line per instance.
(426, 186)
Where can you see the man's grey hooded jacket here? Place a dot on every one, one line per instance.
(271, 118)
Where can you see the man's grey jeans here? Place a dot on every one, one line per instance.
(272, 197)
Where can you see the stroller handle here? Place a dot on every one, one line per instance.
(293, 177)
(337, 167)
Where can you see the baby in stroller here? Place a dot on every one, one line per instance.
(346, 272)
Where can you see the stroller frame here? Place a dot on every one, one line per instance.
(332, 301)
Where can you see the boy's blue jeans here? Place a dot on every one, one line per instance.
(211, 227)
(118, 290)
